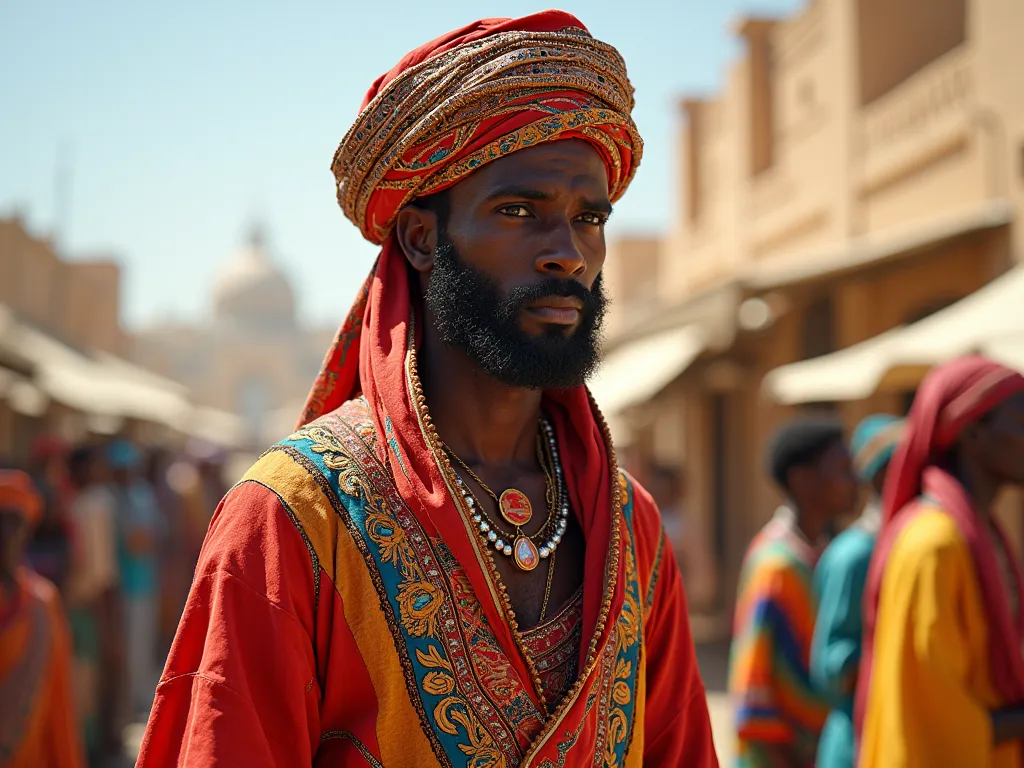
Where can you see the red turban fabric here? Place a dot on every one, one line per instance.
(951, 397)
(465, 99)
(18, 493)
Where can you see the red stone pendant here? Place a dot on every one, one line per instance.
(525, 553)
(515, 507)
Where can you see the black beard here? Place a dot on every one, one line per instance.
(472, 314)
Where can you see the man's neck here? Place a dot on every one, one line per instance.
(810, 525)
(479, 418)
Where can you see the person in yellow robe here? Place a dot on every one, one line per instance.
(37, 718)
(942, 676)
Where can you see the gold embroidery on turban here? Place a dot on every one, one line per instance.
(423, 131)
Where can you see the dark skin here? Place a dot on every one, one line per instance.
(13, 538)
(989, 456)
(823, 491)
(534, 215)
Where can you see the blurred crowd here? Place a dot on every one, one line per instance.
(99, 545)
(897, 641)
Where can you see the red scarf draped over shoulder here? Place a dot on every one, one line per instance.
(951, 397)
(474, 95)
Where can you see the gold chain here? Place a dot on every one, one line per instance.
(547, 587)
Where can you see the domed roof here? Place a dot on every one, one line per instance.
(251, 292)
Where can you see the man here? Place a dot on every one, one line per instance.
(140, 534)
(91, 594)
(778, 713)
(449, 569)
(942, 677)
(37, 716)
(839, 585)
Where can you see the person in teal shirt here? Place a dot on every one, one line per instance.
(839, 580)
(139, 538)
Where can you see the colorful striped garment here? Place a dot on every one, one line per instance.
(777, 710)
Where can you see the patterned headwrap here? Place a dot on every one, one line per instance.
(873, 443)
(18, 493)
(474, 95)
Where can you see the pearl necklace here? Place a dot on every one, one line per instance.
(524, 553)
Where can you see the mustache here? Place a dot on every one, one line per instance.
(593, 299)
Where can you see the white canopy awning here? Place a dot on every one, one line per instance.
(641, 368)
(990, 321)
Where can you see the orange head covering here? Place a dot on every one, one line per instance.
(469, 97)
(18, 493)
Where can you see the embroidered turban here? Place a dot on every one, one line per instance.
(18, 494)
(478, 94)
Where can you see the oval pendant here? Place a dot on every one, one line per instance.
(515, 507)
(525, 553)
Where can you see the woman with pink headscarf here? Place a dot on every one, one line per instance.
(942, 676)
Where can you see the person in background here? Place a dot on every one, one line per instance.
(49, 550)
(175, 572)
(839, 585)
(665, 486)
(92, 593)
(778, 713)
(38, 726)
(942, 676)
(140, 531)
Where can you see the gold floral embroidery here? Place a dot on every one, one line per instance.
(628, 626)
(419, 600)
(438, 683)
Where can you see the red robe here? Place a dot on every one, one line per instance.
(330, 625)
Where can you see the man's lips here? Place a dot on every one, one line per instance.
(562, 310)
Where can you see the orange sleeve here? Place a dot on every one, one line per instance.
(677, 726)
(240, 686)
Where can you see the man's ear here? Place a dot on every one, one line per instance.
(416, 231)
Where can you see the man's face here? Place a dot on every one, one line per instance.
(1000, 441)
(836, 481)
(827, 485)
(515, 282)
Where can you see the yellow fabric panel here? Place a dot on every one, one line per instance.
(342, 562)
(635, 754)
(931, 690)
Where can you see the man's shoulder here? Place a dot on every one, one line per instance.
(309, 470)
(847, 550)
(315, 450)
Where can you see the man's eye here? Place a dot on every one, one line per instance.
(515, 211)
(597, 219)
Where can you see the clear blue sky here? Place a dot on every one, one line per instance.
(184, 121)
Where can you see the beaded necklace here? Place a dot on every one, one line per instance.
(523, 550)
